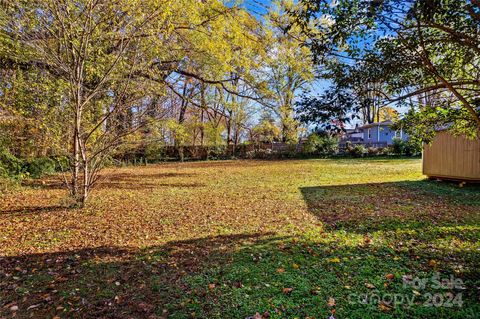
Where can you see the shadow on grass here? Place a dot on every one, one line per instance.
(32, 210)
(111, 282)
(225, 277)
(141, 185)
(363, 208)
(45, 183)
(123, 181)
(141, 181)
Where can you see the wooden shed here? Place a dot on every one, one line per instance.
(452, 157)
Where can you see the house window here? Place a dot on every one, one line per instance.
(369, 133)
(398, 134)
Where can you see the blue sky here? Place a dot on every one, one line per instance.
(257, 7)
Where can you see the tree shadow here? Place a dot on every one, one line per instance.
(231, 276)
(122, 181)
(364, 208)
(33, 210)
(144, 181)
(140, 175)
(45, 183)
(111, 282)
(131, 181)
(139, 185)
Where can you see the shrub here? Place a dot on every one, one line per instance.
(40, 166)
(3, 172)
(373, 151)
(384, 151)
(11, 166)
(398, 146)
(290, 151)
(311, 144)
(15, 168)
(216, 152)
(328, 145)
(62, 163)
(264, 153)
(413, 147)
(155, 152)
(250, 154)
(320, 145)
(357, 150)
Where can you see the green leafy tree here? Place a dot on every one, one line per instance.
(266, 131)
(106, 63)
(290, 67)
(424, 51)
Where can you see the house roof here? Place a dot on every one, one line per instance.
(353, 130)
(384, 123)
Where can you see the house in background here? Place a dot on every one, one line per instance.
(381, 133)
(353, 135)
(378, 134)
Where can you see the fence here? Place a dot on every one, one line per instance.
(197, 152)
(343, 144)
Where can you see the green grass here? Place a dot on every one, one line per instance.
(232, 239)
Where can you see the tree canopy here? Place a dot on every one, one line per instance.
(82, 78)
(419, 53)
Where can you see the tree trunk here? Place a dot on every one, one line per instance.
(183, 105)
(202, 133)
(86, 183)
(76, 157)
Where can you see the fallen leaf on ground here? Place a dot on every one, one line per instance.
(33, 306)
(287, 290)
(238, 284)
(255, 316)
(331, 302)
(384, 307)
(367, 240)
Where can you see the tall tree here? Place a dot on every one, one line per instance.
(290, 67)
(115, 58)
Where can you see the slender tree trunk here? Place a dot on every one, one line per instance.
(76, 156)
(183, 105)
(202, 133)
(229, 131)
(86, 182)
(76, 134)
(204, 107)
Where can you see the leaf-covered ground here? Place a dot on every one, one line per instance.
(239, 239)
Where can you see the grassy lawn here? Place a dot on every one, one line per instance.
(230, 239)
